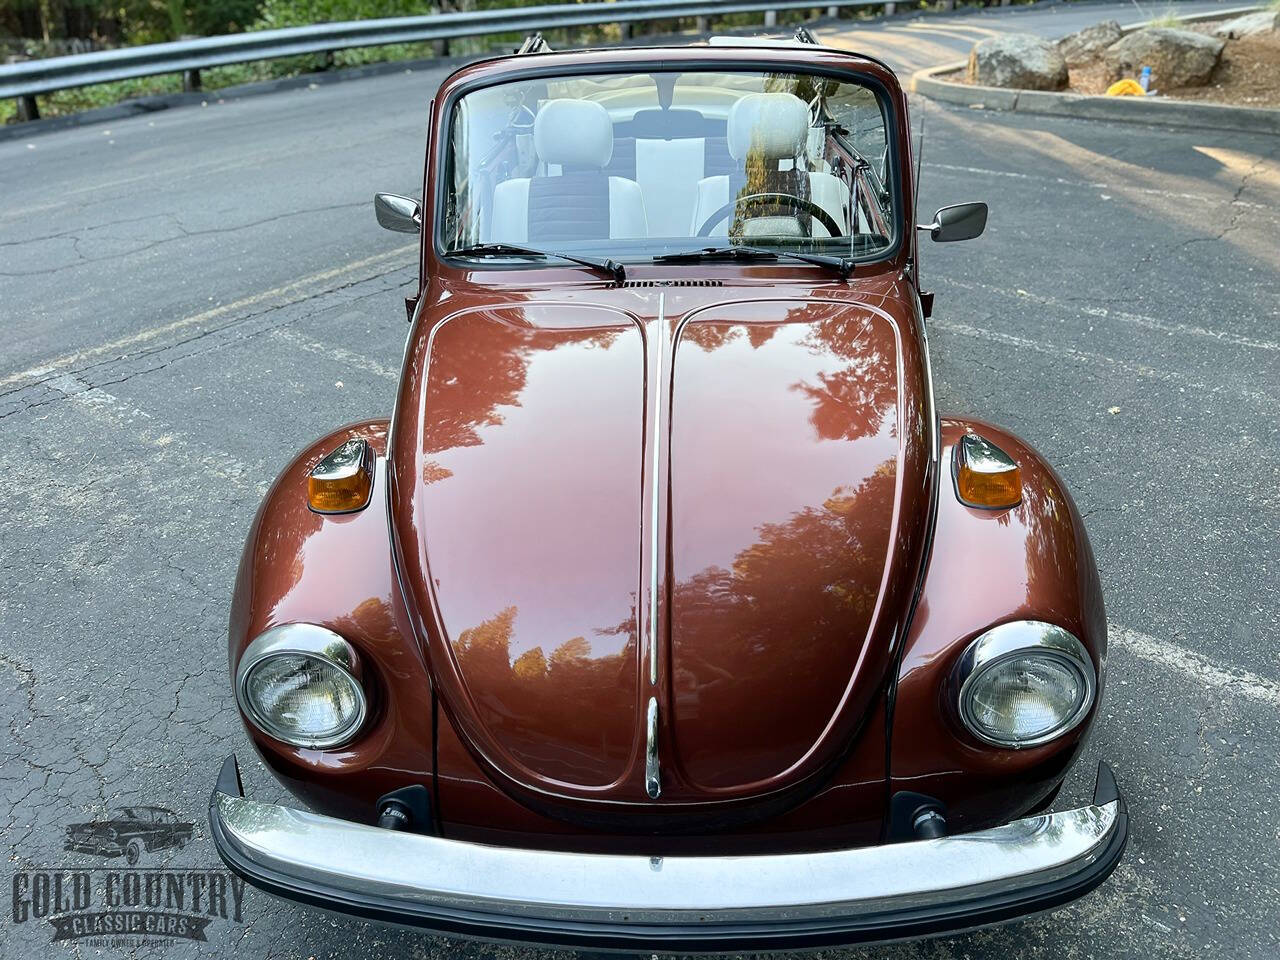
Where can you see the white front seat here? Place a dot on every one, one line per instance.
(572, 198)
(774, 129)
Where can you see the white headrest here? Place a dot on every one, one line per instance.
(775, 124)
(578, 133)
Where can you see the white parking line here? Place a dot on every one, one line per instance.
(1195, 667)
(141, 427)
(1106, 313)
(1097, 185)
(297, 290)
(1097, 359)
(337, 353)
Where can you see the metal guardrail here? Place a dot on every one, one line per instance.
(27, 79)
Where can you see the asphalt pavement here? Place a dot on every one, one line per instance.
(187, 298)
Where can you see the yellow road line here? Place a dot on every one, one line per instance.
(980, 31)
(931, 31)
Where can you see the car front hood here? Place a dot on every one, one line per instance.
(695, 503)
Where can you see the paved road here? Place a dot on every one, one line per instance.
(186, 299)
(912, 42)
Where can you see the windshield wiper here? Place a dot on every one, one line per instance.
(611, 267)
(743, 252)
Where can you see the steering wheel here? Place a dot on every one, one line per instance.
(799, 204)
(522, 119)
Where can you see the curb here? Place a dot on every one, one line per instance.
(1162, 112)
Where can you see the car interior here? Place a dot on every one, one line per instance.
(695, 161)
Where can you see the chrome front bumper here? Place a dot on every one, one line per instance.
(869, 894)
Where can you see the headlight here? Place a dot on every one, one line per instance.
(1024, 683)
(299, 683)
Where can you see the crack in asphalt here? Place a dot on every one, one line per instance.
(79, 237)
(1236, 204)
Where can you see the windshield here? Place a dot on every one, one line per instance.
(644, 165)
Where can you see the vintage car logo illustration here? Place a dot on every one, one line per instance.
(129, 832)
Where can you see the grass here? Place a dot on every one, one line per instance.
(1169, 18)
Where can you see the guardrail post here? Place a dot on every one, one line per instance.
(771, 18)
(833, 12)
(624, 31)
(702, 24)
(440, 47)
(28, 109)
(947, 5)
(191, 81)
(890, 9)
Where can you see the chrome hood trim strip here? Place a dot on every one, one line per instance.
(656, 483)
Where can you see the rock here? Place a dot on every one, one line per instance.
(1251, 23)
(1017, 60)
(1177, 58)
(1086, 45)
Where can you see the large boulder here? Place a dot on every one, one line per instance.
(1017, 60)
(1085, 46)
(1263, 21)
(1177, 58)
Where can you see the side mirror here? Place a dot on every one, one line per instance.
(400, 214)
(962, 221)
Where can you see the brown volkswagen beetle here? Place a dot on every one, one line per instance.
(665, 612)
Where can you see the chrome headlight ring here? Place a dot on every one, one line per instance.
(1031, 640)
(312, 642)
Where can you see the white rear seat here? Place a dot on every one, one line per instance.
(668, 172)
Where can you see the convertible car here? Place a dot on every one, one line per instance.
(665, 612)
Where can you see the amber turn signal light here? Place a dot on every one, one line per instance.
(343, 481)
(985, 475)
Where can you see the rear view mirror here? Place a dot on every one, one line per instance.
(400, 214)
(961, 221)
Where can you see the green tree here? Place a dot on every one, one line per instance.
(294, 13)
(123, 21)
